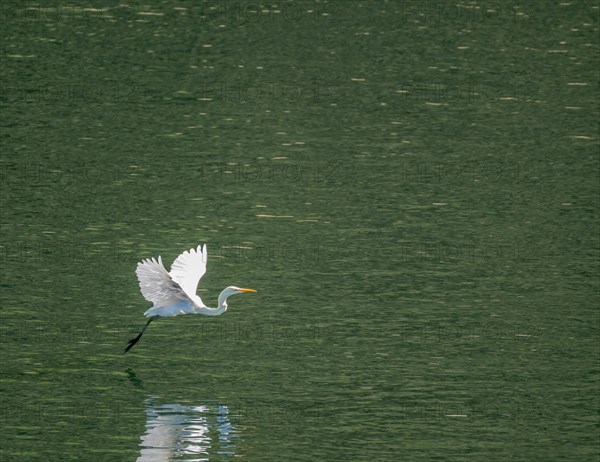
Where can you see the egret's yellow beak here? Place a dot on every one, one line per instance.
(247, 290)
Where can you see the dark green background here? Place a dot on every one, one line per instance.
(411, 187)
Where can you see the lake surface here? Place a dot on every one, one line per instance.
(412, 189)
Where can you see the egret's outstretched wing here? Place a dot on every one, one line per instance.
(188, 268)
(156, 285)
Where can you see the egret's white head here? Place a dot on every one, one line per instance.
(238, 290)
(231, 290)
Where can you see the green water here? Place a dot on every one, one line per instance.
(413, 193)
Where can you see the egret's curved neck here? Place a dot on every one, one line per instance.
(223, 300)
(220, 309)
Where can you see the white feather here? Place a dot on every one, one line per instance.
(188, 268)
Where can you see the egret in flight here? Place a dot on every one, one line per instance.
(174, 293)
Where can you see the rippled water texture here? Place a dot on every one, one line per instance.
(412, 189)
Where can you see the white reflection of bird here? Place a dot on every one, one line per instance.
(174, 293)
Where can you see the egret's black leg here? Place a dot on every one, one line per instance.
(133, 341)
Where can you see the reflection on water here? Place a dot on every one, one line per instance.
(176, 432)
(180, 432)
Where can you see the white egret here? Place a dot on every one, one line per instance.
(174, 293)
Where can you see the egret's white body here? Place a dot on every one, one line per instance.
(174, 293)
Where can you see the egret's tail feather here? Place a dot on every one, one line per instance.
(133, 341)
